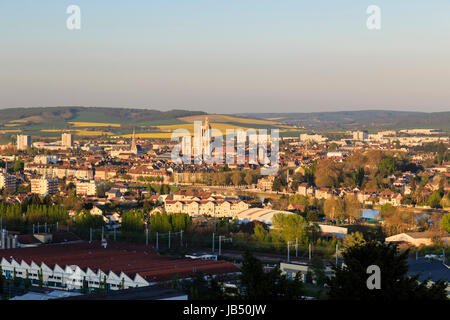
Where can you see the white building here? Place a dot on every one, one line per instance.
(43, 159)
(422, 131)
(304, 137)
(87, 188)
(259, 214)
(23, 142)
(360, 135)
(67, 140)
(7, 181)
(69, 277)
(338, 232)
(417, 238)
(44, 186)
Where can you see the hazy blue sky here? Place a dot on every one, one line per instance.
(227, 56)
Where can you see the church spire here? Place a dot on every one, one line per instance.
(133, 140)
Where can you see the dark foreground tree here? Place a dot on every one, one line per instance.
(259, 285)
(351, 281)
(1, 281)
(318, 271)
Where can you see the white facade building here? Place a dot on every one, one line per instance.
(7, 181)
(67, 140)
(87, 188)
(23, 142)
(69, 277)
(44, 186)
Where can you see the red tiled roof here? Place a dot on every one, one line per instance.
(118, 257)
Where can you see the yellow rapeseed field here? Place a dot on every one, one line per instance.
(190, 126)
(225, 118)
(94, 124)
(154, 135)
(92, 133)
(79, 132)
(56, 130)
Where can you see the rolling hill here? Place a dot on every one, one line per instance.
(41, 115)
(119, 122)
(367, 119)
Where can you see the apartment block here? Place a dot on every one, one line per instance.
(23, 142)
(86, 188)
(7, 181)
(67, 140)
(44, 186)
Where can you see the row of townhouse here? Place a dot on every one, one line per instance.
(218, 208)
(105, 173)
(365, 197)
(390, 198)
(148, 172)
(69, 277)
(319, 193)
(375, 198)
(60, 171)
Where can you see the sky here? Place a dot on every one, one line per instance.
(226, 56)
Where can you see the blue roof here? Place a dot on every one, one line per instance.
(434, 270)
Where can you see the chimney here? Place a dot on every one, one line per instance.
(8, 242)
(2, 239)
(14, 241)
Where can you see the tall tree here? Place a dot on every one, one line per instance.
(291, 227)
(334, 208)
(354, 239)
(352, 207)
(445, 222)
(318, 271)
(257, 284)
(1, 280)
(248, 178)
(236, 178)
(434, 200)
(351, 281)
(328, 174)
(358, 177)
(279, 183)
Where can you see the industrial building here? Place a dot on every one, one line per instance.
(113, 265)
(417, 238)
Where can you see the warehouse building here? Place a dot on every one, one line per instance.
(114, 266)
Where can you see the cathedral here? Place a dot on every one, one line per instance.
(133, 149)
